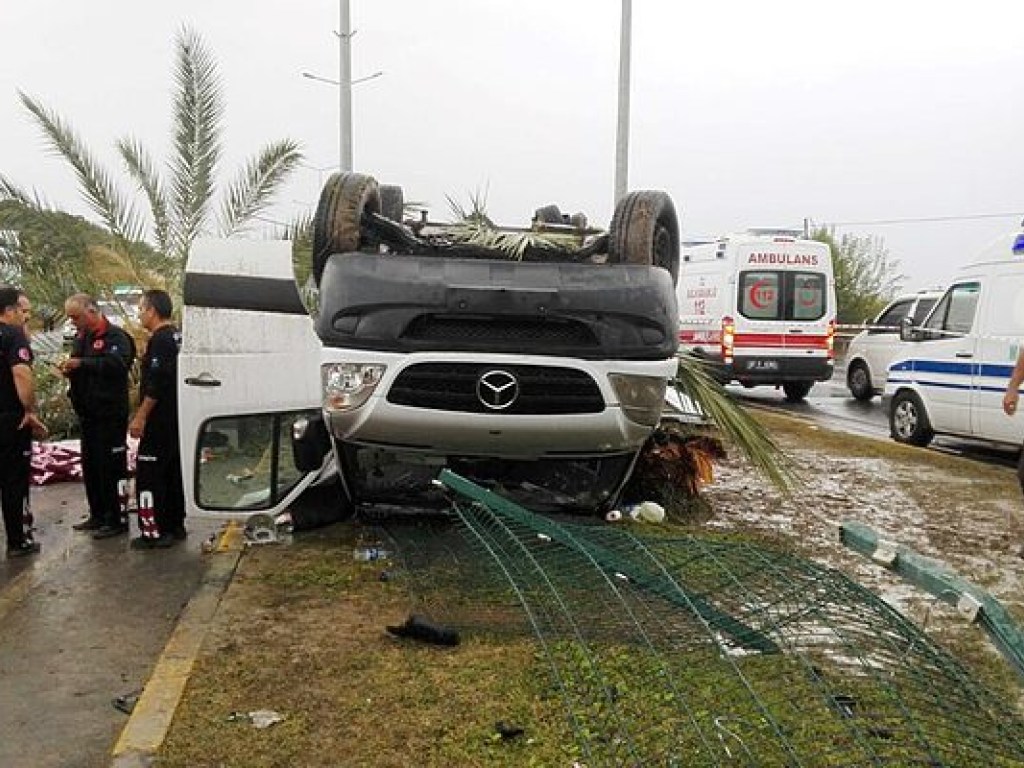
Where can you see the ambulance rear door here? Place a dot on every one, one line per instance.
(785, 302)
(249, 369)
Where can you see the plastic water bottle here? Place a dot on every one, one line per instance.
(647, 511)
(369, 554)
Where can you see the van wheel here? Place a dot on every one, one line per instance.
(645, 230)
(858, 381)
(796, 391)
(908, 420)
(336, 224)
(392, 202)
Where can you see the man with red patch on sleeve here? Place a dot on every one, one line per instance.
(97, 371)
(158, 484)
(18, 421)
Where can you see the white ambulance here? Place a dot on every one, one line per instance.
(760, 307)
(953, 369)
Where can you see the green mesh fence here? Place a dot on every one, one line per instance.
(686, 652)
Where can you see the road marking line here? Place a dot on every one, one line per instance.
(150, 720)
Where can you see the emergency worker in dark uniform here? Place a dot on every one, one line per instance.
(158, 484)
(18, 422)
(101, 358)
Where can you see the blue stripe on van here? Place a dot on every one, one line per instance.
(976, 370)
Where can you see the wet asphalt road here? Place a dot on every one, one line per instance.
(830, 405)
(81, 623)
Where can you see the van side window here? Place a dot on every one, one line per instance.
(889, 320)
(954, 315)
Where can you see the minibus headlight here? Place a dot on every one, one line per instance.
(641, 397)
(347, 386)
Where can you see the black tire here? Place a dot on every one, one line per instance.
(337, 223)
(796, 391)
(858, 381)
(908, 420)
(645, 230)
(392, 202)
(549, 214)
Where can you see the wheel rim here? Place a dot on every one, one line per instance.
(905, 419)
(859, 380)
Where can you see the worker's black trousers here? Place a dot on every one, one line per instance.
(15, 466)
(158, 483)
(104, 466)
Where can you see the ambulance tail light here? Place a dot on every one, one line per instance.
(347, 386)
(728, 339)
(830, 340)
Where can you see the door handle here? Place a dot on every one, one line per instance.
(964, 354)
(205, 380)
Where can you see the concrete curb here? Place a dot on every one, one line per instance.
(149, 722)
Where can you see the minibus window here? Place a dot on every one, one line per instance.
(807, 292)
(759, 295)
(782, 295)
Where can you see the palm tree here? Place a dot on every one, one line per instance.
(181, 201)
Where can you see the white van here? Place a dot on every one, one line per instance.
(955, 367)
(760, 307)
(872, 350)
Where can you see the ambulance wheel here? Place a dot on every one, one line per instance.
(392, 202)
(337, 222)
(908, 420)
(858, 381)
(796, 391)
(645, 230)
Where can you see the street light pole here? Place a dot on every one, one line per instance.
(622, 130)
(345, 86)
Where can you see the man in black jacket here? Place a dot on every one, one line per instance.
(18, 422)
(101, 359)
(158, 484)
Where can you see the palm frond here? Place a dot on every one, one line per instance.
(98, 188)
(474, 227)
(142, 168)
(695, 381)
(11, 191)
(198, 109)
(513, 244)
(250, 192)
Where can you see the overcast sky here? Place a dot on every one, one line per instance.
(749, 113)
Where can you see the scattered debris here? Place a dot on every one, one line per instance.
(369, 554)
(260, 718)
(126, 702)
(418, 627)
(260, 529)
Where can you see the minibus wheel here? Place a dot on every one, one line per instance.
(336, 224)
(645, 230)
(796, 391)
(908, 420)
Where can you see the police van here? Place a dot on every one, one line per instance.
(760, 307)
(954, 367)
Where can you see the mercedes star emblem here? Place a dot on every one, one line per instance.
(497, 390)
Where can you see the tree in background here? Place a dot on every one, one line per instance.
(866, 276)
(181, 203)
